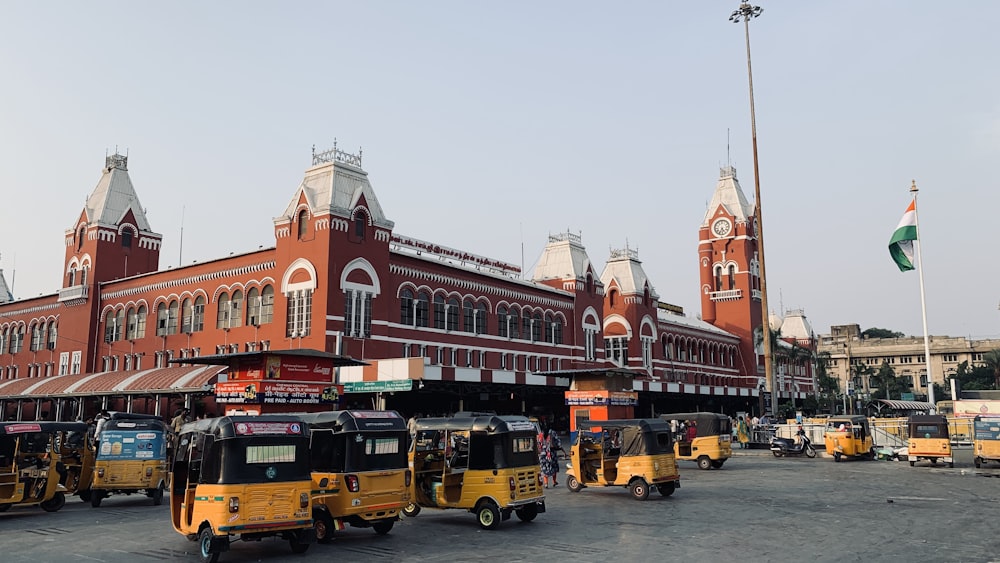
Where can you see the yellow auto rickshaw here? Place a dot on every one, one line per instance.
(633, 453)
(131, 458)
(31, 471)
(360, 471)
(76, 451)
(986, 439)
(848, 436)
(929, 439)
(486, 464)
(711, 443)
(244, 477)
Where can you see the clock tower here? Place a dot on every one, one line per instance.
(730, 269)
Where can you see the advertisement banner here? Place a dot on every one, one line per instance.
(277, 393)
(293, 368)
(602, 397)
(132, 445)
(267, 428)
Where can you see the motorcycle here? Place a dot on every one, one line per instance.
(781, 447)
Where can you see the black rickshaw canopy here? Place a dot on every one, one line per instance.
(355, 420)
(639, 436)
(489, 424)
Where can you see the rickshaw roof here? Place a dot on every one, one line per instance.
(708, 423)
(853, 419)
(28, 427)
(492, 424)
(991, 417)
(927, 419)
(235, 426)
(644, 424)
(134, 421)
(343, 421)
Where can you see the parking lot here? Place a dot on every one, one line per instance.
(757, 508)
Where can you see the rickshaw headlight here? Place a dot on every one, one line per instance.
(149, 472)
(513, 485)
(353, 484)
(407, 477)
(234, 504)
(100, 472)
(303, 500)
(323, 482)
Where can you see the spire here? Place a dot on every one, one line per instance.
(5, 294)
(729, 194)
(564, 258)
(114, 196)
(624, 266)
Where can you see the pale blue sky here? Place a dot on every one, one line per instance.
(488, 125)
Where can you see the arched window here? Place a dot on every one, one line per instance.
(468, 316)
(526, 325)
(453, 309)
(732, 276)
(439, 309)
(718, 278)
(127, 238)
(266, 305)
(198, 315)
(501, 321)
(481, 318)
(514, 322)
(360, 225)
(236, 312)
(548, 327)
(79, 237)
(422, 310)
(612, 298)
(303, 224)
(406, 315)
(253, 307)
(72, 277)
(187, 316)
(162, 315)
(172, 317)
(222, 318)
(536, 327)
(53, 337)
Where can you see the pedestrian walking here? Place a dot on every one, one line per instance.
(547, 461)
(555, 446)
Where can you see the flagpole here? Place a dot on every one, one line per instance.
(923, 301)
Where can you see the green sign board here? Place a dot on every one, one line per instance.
(378, 386)
(906, 397)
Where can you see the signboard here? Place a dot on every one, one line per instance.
(277, 393)
(267, 428)
(295, 368)
(378, 386)
(600, 397)
(987, 429)
(18, 428)
(132, 445)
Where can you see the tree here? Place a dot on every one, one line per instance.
(991, 361)
(887, 382)
(880, 333)
(827, 385)
(978, 377)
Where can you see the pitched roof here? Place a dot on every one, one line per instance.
(729, 194)
(625, 268)
(564, 257)
(114, 196)
(336, 184)
(5, 294)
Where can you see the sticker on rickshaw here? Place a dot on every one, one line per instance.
(17, 428)
(263, 428)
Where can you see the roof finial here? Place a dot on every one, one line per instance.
(913, 188)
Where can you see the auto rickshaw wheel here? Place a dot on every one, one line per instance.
(639, 489)
(704, 462)
(382, 527)
(323, 525)
(85, 495)
(951, 464)
(573, 484)
(977, 462)
(5, 507)
(205, 546)
(666, 489)
(717, 463)
(776, 453)
(488, 515)
(411, 510)
(933, 461)
(527, 513)
(158, 495)
(295, 542)
(836, 457)
(912, 462)
(55, 503)
(95, 498)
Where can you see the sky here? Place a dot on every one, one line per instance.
(487, 126)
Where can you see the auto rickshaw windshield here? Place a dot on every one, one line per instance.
(358, 451)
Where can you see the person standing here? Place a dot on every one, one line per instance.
(546, 459)
(743, 432)
(555, 446)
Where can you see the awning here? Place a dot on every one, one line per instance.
(188, 379)
(879, 404)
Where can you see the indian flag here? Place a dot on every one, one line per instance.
(901, 243)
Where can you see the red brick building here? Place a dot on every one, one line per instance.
(443, 329)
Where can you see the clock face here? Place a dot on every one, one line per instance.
(721, 227)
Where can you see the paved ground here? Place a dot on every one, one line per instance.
(757, 508)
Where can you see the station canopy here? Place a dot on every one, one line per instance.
(902, 405)
(168, 380)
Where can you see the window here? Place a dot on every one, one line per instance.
(79, 237)
(198, 315)
(266, 306)
(357, 313)
(187, 315)
(590, 344)
(536, 327)
(36, 336)
(17, 340)
(406, 313)
(299, 313)
(161, 319)
(468, 316)
(481, 318)
(526, 325)
(732, 276)
(360, 224)
(718, 278)
(71, 277)
(421, 311)
(253, 307)
(451, 312)
(77, 359)
(303, 224)
(172, 313)
(222, 317)
(63, 363)
(53, 336)
(616, 350)
(557, 333)
(502, 321)
(548, 327)
(4, 339)
(439, 311)
(127, 238)
(236, 310)
(612, 298)
(276, 453)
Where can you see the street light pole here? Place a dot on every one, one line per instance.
(744, 13)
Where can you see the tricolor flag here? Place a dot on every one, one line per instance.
(901, 243)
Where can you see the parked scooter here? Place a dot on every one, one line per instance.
(788, 446)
